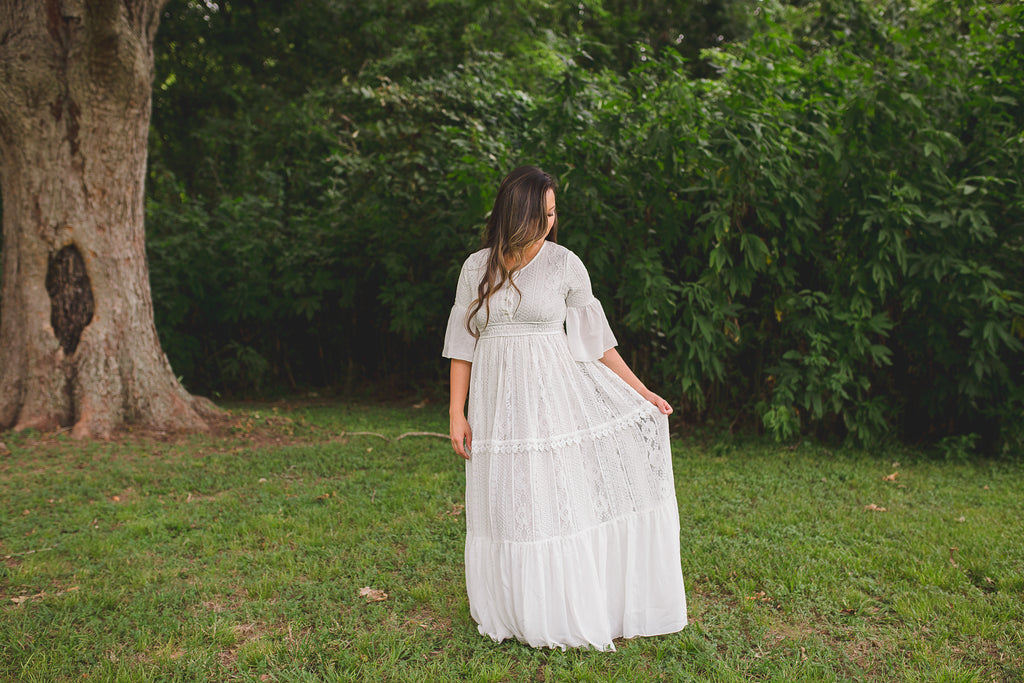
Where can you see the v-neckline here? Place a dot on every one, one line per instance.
(535, 257)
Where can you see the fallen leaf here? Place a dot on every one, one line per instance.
(891, 477)
(951, 560)
(457, 509)
(4, 450)
(421, 404)
(961, 519)
(116, 499)
(21, 599)
(372, 594)
(874, 508)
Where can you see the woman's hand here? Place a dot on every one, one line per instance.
(461, 435)
(614, 361)
(458, 426)
(660, 403)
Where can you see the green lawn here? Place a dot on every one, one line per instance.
(242, 557)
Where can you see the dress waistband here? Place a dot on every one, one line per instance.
(520, 329)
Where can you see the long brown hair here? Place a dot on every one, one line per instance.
(519, 219)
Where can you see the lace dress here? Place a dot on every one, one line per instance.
(572, 524)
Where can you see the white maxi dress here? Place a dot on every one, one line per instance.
(572, 525)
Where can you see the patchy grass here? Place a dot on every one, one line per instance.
(241, 556)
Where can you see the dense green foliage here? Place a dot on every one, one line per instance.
(817, 223)
(320, 169)
(804, 217)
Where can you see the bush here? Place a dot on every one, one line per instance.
(827, 234)
(825, 237)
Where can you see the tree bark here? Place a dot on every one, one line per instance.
(78, 346)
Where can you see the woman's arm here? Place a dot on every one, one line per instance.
(458, 426)
(614, 361)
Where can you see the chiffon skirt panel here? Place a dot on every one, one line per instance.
(572, 523)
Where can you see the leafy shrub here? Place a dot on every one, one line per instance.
(824, 236)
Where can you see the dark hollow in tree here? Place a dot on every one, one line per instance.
(71, 304)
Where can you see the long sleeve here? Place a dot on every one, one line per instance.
(458, 342)
(586, 325)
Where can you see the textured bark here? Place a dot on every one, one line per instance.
(78, 346)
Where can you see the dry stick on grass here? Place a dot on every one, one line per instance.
(397, 438)
(437, 434)
(27, 552)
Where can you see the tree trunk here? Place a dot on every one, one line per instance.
(78, 346)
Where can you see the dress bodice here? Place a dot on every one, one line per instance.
(550, 291)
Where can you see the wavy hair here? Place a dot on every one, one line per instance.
(519, 219)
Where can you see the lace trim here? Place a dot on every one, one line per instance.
(627, 421)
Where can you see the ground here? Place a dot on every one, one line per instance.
(304, 541)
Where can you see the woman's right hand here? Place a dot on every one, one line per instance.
(461, 435)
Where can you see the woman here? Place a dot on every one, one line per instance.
(572, 526)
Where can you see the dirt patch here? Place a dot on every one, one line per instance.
(221, 602)
(215, 606)
(861, 653)
(792, 631)
(154, 656)
(244, 634)
(255, 631)
(256, 429)
(426, 620)
(864, 654)
(262, 427)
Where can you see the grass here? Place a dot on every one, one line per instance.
(241, 556)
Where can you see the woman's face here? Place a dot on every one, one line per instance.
(549, 203)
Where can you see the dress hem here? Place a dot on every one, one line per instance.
(620, 579)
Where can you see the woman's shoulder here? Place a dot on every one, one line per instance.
(557, 252)
(565, 256)
(477, 260)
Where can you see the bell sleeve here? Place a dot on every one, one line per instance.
(459, 344)
(585, 323)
